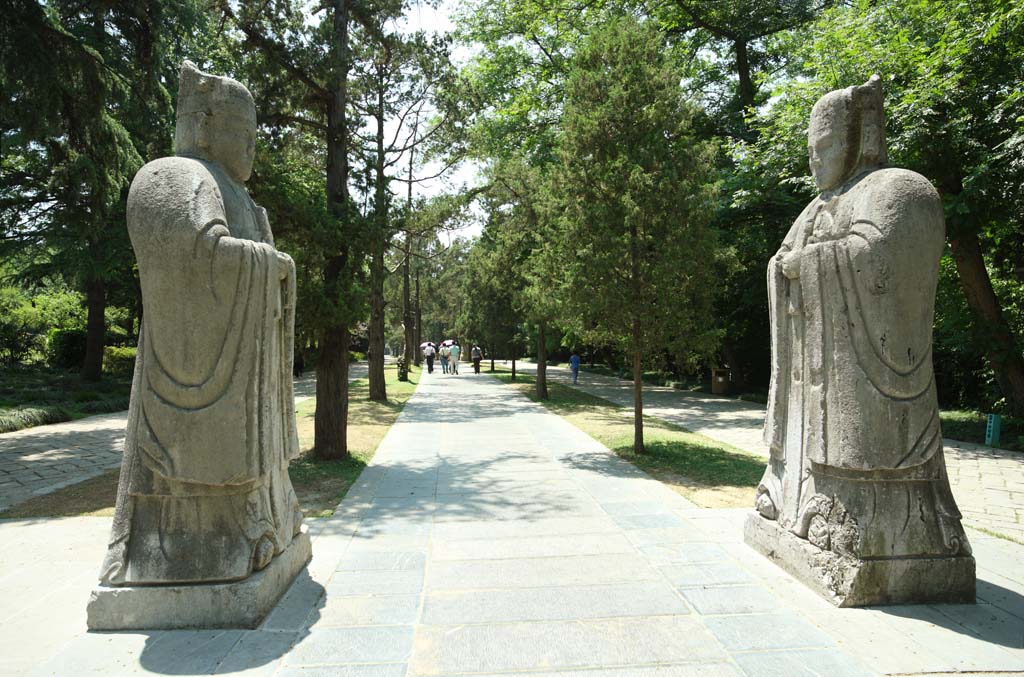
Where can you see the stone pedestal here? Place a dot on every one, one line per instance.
(241, 604)
(848, 581)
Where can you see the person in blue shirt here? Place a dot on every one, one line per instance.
(574, 365)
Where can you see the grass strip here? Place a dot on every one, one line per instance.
(319, 484)
(710, 473)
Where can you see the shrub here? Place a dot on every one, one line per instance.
(65, 348)
(26, 417)
(119, 361)
(403, 370)
(356, 356)
(18, 334)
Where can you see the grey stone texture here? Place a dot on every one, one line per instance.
(204, 495)
(649, 627)
(238, 604)
(856, 488)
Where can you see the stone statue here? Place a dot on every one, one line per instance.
(855, 499)
(204, 494)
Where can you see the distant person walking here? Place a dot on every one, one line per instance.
(429, 353)
(574, 366)
(454, 352)
(445, 353)
(477, 355)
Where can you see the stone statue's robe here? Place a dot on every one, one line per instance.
(852, 392)
(211, 425)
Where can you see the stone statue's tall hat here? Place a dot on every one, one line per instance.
(202, 96)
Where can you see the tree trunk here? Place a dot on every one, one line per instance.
(746, 83)
(95, 329)
(513, 366)
(1002, 350)
(638, 397)
(329, 426)
(492, 360)
(411, 347)
(419, 320)
(542, 363)
(378, 389)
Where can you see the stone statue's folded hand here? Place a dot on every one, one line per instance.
(791, 265)
(285, 265)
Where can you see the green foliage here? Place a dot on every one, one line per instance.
(84, 106)
(632, 194)
(970, 426)
(119, 360)
(65, 348)
(26, 319)
(27, 417)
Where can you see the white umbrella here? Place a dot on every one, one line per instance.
(448, 342)
(426, 343)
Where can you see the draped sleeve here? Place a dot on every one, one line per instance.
(210, 304)
(868, 301)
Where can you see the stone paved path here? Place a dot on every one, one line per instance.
(45, 458)
(988, 483)
(490, 537)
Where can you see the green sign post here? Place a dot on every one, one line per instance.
(992, 430)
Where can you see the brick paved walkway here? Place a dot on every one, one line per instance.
(490, 537)
(988, 483)
(45, 458)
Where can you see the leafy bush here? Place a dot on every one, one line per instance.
(26, 417)
(25, 320)
(403, 370)
(119, 361)
(356, 356)
(17, 336)
(65, 348)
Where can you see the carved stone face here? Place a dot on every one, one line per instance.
(828, 141)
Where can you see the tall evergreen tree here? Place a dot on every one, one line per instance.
(632, 194)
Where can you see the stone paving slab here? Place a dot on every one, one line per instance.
(407, 585)
(988, 483)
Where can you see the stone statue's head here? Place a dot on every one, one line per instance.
(216, 121)
(847, 134)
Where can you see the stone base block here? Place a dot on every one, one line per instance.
(242, 604)
(850, 582)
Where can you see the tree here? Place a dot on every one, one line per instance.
(301, 71)
(631, 195)
(85, 107)
(397, 76)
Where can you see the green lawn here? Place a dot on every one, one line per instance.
(320, 485)
(709, 473)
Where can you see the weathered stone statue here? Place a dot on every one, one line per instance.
(204, 495)
(855, 500)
